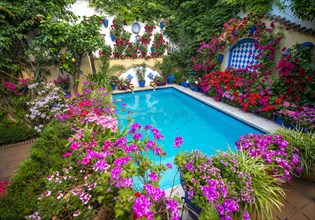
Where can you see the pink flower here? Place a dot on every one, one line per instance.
(153, 177)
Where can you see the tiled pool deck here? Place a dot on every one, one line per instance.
(299, 203)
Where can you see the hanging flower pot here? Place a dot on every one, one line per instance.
(221, 57)
(152, 50)
(112, 37)
(105, 22)
(66, 86)
(162, 25)
(308, 44)
(252, 30)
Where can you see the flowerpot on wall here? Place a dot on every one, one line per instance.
(252, 30)
(221, 57)
(112, 37)
(152, 50)
(141, 83)
(162, 25)
(308, 44)
(105, 22)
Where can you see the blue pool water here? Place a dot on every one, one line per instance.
(177, 114)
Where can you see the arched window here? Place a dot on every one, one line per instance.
(242, 54)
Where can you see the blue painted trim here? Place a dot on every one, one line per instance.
(246, 40)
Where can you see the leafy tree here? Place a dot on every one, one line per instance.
(19, 21)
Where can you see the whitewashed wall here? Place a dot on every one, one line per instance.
(81, 8)
(132, 72)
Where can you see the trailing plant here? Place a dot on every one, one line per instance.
(140, 72)
(158, 46)
(305, 143)
(229, 183)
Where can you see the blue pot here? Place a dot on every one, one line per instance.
(162, 25)
(195, 88)
(221, 57)
(152, 50)
(190, 204)
(171, 79)
(114, 86)
(252, 30)
(68, 95)
(279, 121)
(308, 44)
(66, 87)
(105, 22)
(24, 90)
(185, 84)
(112, 37)
(141, 83)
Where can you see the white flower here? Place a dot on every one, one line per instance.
(76, 213)
(47, 193)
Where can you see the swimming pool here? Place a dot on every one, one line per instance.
(177, 114)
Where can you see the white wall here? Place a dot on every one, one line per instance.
(81, 8)
(134, 80)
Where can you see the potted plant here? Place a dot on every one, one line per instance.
(228, 185)
(113, 82)
(140, 71)
(159, 80)
(123, 84)
(63, 82)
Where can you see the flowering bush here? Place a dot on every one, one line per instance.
(158, 46)
(159, 80)
(274, 150)
(3, 186)
(296, 76)
(123, 84)
(45, 101)
(226, 182)
(305, 118)
(140, 71)
(109, 170)
(62, 82)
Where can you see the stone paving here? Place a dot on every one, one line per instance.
(299, 202)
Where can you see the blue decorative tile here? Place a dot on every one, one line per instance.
(130, 77)
(242, 55)
(150, 76)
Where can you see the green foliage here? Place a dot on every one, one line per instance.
(135, 9)
(303, 9)
(15, 133)
(19, 20)
(305, 142)
(103, 77)
(27, 182)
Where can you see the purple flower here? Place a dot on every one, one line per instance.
(210, 193)
(230, 206)
(172, 205)
(189, 166)
(155, 193)
(100, 165)
(126, 182)
(155, 131)
(137, 136)
(147, 127)
(134, 127)
(153, 177)
(67, 154)
(178, 141)
(115, 172)
(246, 216)
(150, 144)
(74, 145)
(141, 207)
(158, 151)
(121, 161)
(158, 136)
(169, 165)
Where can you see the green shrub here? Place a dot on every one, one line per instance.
(305, 142)
(29, 180)
(14, 133)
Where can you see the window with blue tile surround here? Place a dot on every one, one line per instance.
(242, 54)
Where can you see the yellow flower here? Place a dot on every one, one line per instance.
(73, 60)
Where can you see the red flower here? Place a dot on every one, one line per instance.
(137, 194)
